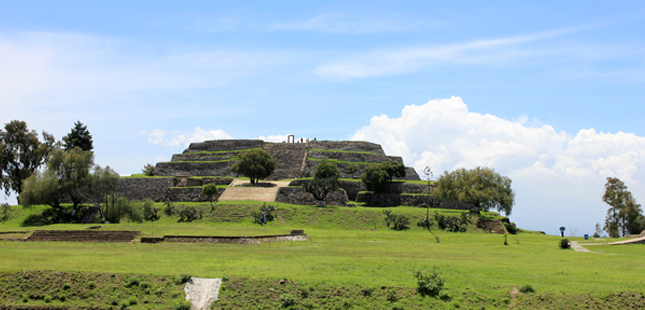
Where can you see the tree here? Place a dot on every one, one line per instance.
(78, 137)
(21, 153)
(320, 188)
(65, 178)
(101, 191)
(624, 214)
(148, 170)
(325, 181)
(210, 190)
(255, 164)
(481, 186)
(351, 169)
(375, 178)
(326, 169)
(394, 169)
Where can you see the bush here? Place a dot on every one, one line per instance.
(183, 279)
(66, 286)
(527, 289)
(150, 212)
(91, 285)
(169, 209)
(429, 284)
(287, 300)
(391, 295)
(265, 215)
(62, 297)
(564, 243)
(452, 223)
(47, 299)
(133, 300)
(6, 208)
(148, 170)
(188, 214)
(183, 305)
(396, 222)
(367, 291)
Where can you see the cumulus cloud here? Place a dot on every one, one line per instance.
(160, 137)
(547, 166)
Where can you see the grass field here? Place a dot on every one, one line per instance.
(352, 249)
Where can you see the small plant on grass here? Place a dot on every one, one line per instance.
(287, 300)
(133, 300)
(62, 297)
(396, 221)
(66, 286)
(188, 214)
(91, 285)
(391, 295)
(527, 289)
(182, 279)
(182, 305)
(150, 212)
(148, 170)
(47, 299)
(265, 215)
(5, 207)
(169, 209)
(564, 243)
(429, 284)
(367, 291)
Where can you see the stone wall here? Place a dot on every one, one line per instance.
(143, 188)
(193, 194)
(217, 168)
(236, 240)
(83, 236)
(296, 195)
(353, 146)
(223, 145)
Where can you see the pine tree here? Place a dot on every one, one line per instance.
(79, 136)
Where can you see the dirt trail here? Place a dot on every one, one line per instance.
(202, 292)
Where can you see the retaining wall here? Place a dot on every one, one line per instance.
(143, 188)
(236, 240)
(297, 196)
(83, 235)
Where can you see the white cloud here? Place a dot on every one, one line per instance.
(546, 165)
(406, 60)
(70, 65)
(160, 137)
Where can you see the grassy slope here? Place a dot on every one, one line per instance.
(350, 248)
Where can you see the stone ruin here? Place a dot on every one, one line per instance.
(293, 160)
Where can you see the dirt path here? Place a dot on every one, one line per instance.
(202, 292)
(578, 248)
(238, 191)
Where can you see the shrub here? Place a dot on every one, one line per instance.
(396, 222)
(150, 212)
(287, 300)
(145, 284)
(5, 207)
(66, 286)
(188, 214)
(564, 243)
(62, 297)
(148, 170)
(429, 284)
(527, 289)
(391, 295)
(91, 285)
(169, 209)
(375, 178)
(264, 215)
(47, 299)
(367, 291)
(183, 279)
(133, 282)
(133, 300)
(182, 305)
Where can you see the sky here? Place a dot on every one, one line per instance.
(548, 93)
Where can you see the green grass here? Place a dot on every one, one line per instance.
(349, 249)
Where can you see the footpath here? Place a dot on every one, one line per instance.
(241, 190)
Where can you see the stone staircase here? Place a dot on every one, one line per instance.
(83, 235)
(239, 190)
(289, 158)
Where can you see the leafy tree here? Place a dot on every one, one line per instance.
(148, 170)
(210, 190)
(351, 169)
(375, 178)
(101, 191)
(65, 179)
(320, 188)
(624, 214)
(481, 186)
(255, 164)
(326, 169)
(325, 181)
(21, 153)
(78, 137)
(394, 169)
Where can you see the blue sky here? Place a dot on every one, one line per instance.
(548, 93)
